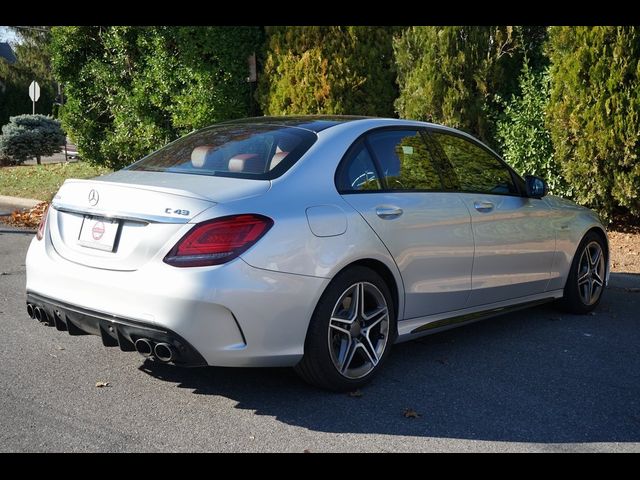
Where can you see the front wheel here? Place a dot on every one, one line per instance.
(585, 284)
(351, 332)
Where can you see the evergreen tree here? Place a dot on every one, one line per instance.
(28, 136)
(449, 75)
(594, 113)
(328, 70)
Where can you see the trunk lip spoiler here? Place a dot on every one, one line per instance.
(150, 188)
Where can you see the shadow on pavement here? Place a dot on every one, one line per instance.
(533, 376)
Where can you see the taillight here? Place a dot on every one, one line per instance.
(43, 223)
(218, 241)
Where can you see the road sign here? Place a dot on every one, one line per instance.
(34, 91)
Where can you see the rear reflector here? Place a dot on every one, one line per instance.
(43, 223)
(218, 241)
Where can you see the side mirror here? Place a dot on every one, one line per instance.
(536, 187)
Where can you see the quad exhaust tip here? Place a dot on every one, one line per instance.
(164, 352)
(30, 311)
(40, 314)
(144, 347)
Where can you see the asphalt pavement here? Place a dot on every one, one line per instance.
(536, 380)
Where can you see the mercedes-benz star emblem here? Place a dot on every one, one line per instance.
(94, 197)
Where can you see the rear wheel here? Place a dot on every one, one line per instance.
(350, 333)
(585, 283)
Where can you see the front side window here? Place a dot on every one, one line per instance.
(242, 150)
(405, 160)
(476, 169)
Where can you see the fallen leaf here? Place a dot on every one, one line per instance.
(29, 218)
(410, 413)
(60, 348)
(102, 384)
(306, 450)
(355, 394)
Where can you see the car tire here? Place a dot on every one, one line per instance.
(345, 346)
(586, 281)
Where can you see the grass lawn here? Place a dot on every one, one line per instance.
(43, 181)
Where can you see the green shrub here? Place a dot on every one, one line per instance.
(130, 90)
(28, 136)
(594, 113)
(522, 134)
(329, 70)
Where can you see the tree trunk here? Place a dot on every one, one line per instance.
(38, 160)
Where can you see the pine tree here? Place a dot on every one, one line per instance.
(594, 113)
(449, 75)
(328, 70)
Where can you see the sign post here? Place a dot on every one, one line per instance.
(34, 93)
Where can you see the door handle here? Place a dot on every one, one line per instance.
(483, 206)
(388, 212)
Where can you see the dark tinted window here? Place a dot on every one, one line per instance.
(246, 151)
(405, 160)
(358, 171)
(476, 169)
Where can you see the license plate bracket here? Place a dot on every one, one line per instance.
(99, 233)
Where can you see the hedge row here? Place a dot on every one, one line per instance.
(563, 102)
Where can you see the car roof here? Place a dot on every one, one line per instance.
(314, 123)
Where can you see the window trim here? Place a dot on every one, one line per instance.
(364, 139)
(515, 178)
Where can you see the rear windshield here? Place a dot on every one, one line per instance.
(242, 151)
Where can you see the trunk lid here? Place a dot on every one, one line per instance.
(122, 220)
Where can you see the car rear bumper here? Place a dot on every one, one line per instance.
(115, 331)
(229, 315)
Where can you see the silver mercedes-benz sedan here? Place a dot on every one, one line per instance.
(312, 242)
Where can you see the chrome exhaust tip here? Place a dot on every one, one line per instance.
(164, 352)
(30, 311)
(144, 347)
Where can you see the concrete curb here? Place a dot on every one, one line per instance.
(24, 232)
(19, 202)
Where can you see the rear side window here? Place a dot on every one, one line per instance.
(358, 172)
(405, 160)
(476, 169)
(243, 151)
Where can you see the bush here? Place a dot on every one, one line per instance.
(328, 70)
(521, 132)
(449, 75)
(130, 90)
(28, 136)
(594, 113)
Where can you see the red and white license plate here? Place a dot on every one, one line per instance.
(99, 233)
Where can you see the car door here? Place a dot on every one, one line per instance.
(514, 241)
(392, 179)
